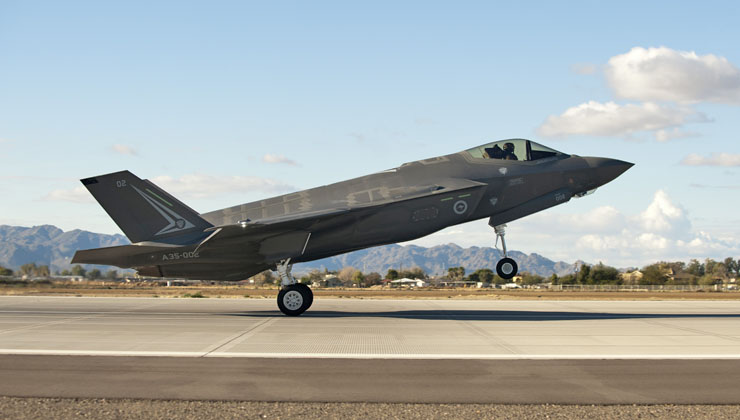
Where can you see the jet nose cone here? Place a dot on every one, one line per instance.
(605, 170)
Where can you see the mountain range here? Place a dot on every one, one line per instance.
(435, 260)
(49, 245)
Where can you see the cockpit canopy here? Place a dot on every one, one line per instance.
(513, 149)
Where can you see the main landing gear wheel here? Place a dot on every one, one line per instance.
(293, 300)
(307, 290)
(506, 268)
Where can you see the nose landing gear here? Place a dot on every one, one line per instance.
(506, 267)
(294, 298)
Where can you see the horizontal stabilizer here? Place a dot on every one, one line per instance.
(119, 256)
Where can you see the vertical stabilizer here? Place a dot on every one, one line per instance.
(143, 211)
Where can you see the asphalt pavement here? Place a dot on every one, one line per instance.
(365, 351)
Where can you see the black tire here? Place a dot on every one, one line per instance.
(308, 291)
(293, 300)
(506, 268)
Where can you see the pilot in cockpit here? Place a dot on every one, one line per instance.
(508, 153)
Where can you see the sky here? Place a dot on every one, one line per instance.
(227, 102)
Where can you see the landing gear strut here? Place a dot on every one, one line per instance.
(506, 267)
(294, 298)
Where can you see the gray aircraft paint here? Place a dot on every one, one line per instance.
(175, 223)
(400, 204)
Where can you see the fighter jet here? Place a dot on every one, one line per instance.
(503, 181)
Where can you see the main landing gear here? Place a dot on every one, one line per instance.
(294, 298)
(506, 267)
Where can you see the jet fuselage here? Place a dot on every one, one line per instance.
(396, 205)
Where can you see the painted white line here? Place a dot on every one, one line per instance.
(493, 316)
(477, 299)
(473, 356)
(103, 353)
(137, 313)
(388, 356)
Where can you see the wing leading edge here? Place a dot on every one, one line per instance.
(202, 250)
(304, 221)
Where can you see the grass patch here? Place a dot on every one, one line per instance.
(14, 283)
(196, 295)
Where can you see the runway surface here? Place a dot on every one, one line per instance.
(339, 328)
(372, 350)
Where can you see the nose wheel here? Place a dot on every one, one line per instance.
(506, 267)
(294, 298)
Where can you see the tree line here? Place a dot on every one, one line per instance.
(33, 270)
(660, 273)
(694, 272)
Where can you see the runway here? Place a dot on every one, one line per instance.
(576, 352)
(342, 328)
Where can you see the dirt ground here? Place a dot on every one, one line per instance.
(241, 292)
(83, 408)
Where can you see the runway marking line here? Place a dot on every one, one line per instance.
(237, 338)
(371, 355)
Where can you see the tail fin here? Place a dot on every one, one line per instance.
(143, 211)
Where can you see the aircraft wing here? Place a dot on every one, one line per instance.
(257, 243)
(305, 219)
(258, 230)
(434, 187)
(294, 227)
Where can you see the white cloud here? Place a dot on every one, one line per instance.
(74, 195)
(664, 74)
(653, 76)
(270, 158)
(205, 186)
(611, 119)
(662, 231)
(598, 220)
(719, 187)
(122, 149)
(715, 159)
(664, 135)
(664, 217)
(584, 68)
(192, 186)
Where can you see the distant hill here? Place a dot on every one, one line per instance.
(49, 245)
(434, 260)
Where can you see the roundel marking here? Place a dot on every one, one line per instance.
(460, 207)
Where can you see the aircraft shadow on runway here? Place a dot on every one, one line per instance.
(479, 315)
